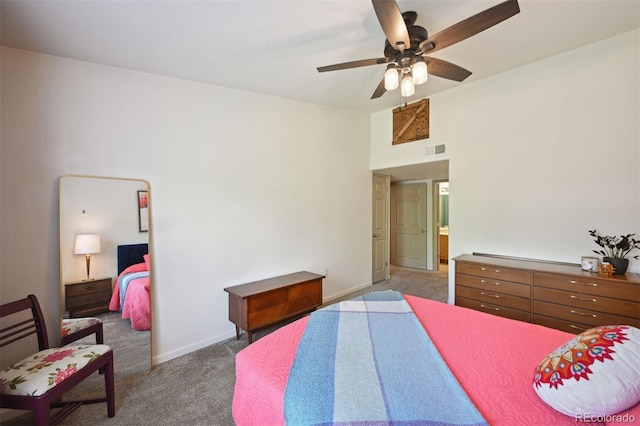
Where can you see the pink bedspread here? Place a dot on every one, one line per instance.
(137, 303)
(492, 357)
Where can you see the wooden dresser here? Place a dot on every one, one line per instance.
(85, 298)
(556, 295)
(259, 304)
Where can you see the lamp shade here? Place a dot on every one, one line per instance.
(419, 71)
(406, 86)
(87, 244)
(391, 78)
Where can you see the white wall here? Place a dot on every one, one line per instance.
(538, 155)
(243, 186)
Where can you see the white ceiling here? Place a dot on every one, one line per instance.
(273, 47)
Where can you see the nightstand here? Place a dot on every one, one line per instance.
(83, 298)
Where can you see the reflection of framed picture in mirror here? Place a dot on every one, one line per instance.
(143, 211)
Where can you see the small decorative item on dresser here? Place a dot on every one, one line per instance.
(589, 263)
(615, 249)
(606, 268)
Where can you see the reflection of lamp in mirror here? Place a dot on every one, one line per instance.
(87, 245)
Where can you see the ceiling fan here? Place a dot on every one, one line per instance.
(407, 44)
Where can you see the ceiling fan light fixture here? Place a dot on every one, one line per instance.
(406, 43)
(391, 79)
(406, 87)
(419, 71)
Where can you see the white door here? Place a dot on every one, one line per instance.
(409, 225)
(379, 231)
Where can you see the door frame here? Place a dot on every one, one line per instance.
(435, 224)
(387, 184)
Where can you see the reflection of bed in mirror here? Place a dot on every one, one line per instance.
(131, 294)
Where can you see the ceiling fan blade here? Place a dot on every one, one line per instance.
(445, 69)
(471, 26)
(380, 90)
(353, 64)
(392, 23)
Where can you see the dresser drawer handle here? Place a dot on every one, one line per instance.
(581, 283)
(583, 314)
(584, 299)
(490, 270)
(489, 282)
(489, 307)
(497, 296)
(577, 328)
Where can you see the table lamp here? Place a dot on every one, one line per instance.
(87, 245)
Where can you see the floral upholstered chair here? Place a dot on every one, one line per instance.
(38, 382)
(76, 328)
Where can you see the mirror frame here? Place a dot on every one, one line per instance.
(149, 241)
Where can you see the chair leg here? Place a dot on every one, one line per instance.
(100, 341)
(99, 335)
(41, 414)
(110, 388)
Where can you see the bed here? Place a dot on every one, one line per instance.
(493, 359)
(131, 294)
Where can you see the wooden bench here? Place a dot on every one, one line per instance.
(263, 303)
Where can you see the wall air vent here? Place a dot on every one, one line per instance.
(436, 149)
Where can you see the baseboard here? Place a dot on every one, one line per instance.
(338, 295)
(167, 356)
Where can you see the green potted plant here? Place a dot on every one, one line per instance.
(615, 250)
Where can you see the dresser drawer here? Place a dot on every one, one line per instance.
(586, 301)
(568, 326)
(88, 287)
(495, 272)
(494, 298)
(584, 316)
(521, 290)
(589, 285)
(493, 308)
(304, 296)
(88, 300)
(263, 308)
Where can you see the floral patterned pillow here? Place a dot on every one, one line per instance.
(594, 374)
(37, 374)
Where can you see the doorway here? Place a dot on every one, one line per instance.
(420, 173)
(441, 222)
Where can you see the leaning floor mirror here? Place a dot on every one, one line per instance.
(105, 263)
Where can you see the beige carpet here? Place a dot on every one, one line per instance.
(197, 388)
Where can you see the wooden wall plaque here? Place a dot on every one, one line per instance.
(411, 122)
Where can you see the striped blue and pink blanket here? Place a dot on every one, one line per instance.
(369, 361)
